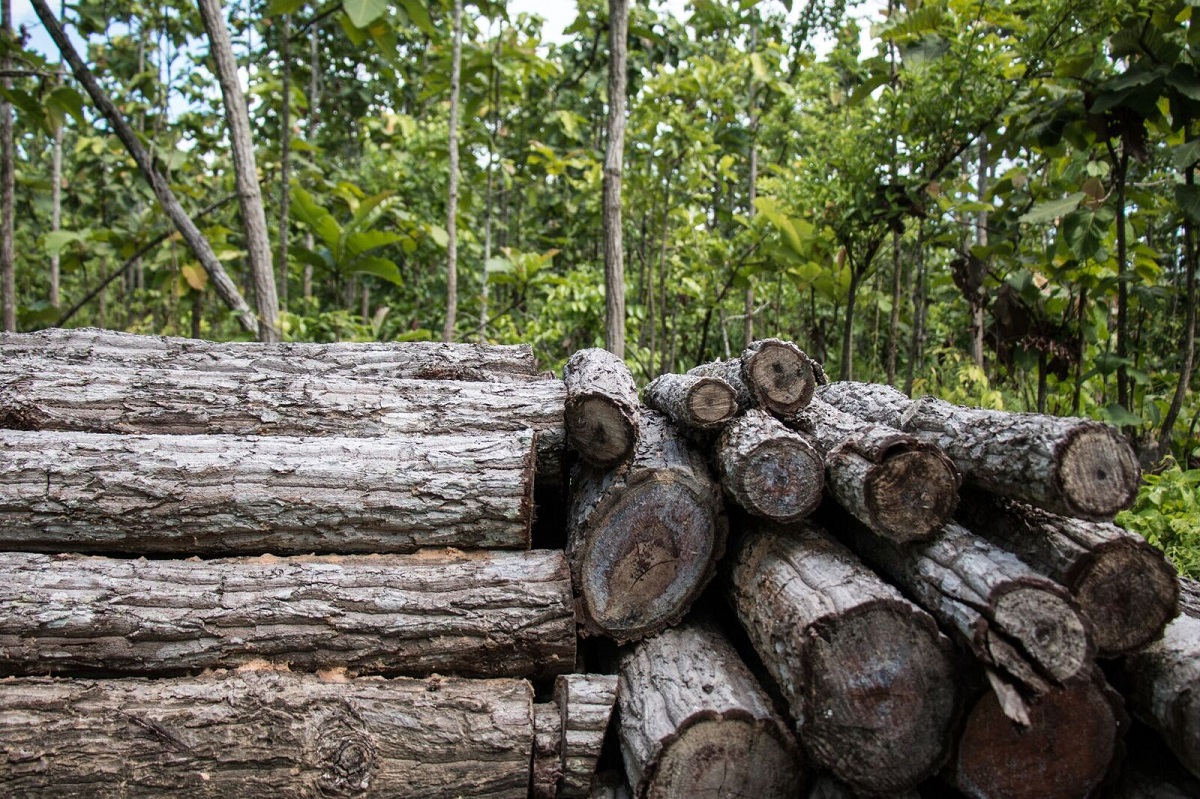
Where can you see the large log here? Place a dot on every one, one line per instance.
(773, 375)
(867, 676)
(1164, 681)
(418, 360)
(769, 470)
(601, 407)
(482, 614)
(41, 394)
(206, 494)
(1074, 467)
(585, 702)
(265, 733)
(1125, 588)
(693, 722)
(900, 487)
(644, 539)
(692, 402)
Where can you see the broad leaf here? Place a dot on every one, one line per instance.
(195, 276)
(1116, 415)
(363, 12)
(1052, 209)
(1185, 154)
(379, 267)
(1188, 199)
(54, 242)
(367, 240)
(305, 209)
(419, 16)
(1085, 230)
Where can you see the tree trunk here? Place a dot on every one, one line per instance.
(8, 285)
(546, 771)
(1163, 679)
(614, 259)
(1188, 344)
(485, 614)
(1074, 467)
(695, 723)
(644, 540)
(285, 154)
(601, 407)
(56, 180)
(692, 402)
(893, 344)
(772, 472)
(266, 733)
(585, 703)
(981, 239)
(867, 676)
(452, 192)
(1121, 171)
(847, 365)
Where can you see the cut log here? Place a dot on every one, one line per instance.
(826, 787)
(895, 484)
(772, 472)
(45, 395)
(695, 723)
(1074, 467)
(644, 540)
(191, 495)
(585, 702)
(601, 407)
(1065, 752)
(482, 614)
(1189, 596)
(264, 733)
(1164, 691)
(867, 676)
(1125, 588)
(773, 375)
(1002, 611)
(418, 360)
(547, 771)
(692, 402)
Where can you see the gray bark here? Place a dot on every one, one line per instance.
(614, 255)
(547, 770)
(585, 703)
(221, 495)
(1074, 467)
(266, 733)
(772, 472)
(476, 614)
(869, 680)
(692, 402)
(1189, 596)
(8, 286)
(601, 407)
(1165, 688)
(695, 723)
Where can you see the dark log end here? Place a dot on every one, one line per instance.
(603, 433)
(1128, 591)
(1098, 473)
(1049, 628)
(781, 377)
(781, 481)
(712, 402)
(912, 493)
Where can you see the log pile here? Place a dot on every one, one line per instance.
(428, 570)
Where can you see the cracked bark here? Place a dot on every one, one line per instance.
(771, 471)
(585, 702)
(1165, 688)
(601, 407)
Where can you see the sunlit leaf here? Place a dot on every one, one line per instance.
(363, 12)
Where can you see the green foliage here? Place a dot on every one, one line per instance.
(1167, 514)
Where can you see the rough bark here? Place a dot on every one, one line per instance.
(614, 153)
(479, 614)
(900, 487)
(644, 540)
(695, 723)
(1125, 588)
(8, 285)
(867, 676)
(585, 702)
(692, 402)
(1165, 688)
(265, 733)
(1189, 596)
(826, 787)
(56, 181)
(285, 153)
(1074, 467)
(772, 472)
(601, 407)
(547, 770)
(193, 495)
(452, 190)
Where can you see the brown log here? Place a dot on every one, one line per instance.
(601, 407)
(895, 484)
(867, 676)
(482, 614)
(1073, 467)
(644, 540)
(1125, 588)
(586, 703)
(547, 770)
(694, 722)
(773, 375)
(265, 733)
(692, 402)
(189, 495)
(826, 787)
(1164, 691)
(772, 472)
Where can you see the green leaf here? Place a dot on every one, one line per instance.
(1188, 199)
(305, 209)
(1085, 230)
(1052, 209)
(496, 265)
(1116, 415)
(1183, 79)
(367, 240)
(439, 235)
(419, 16)
(277, 7)
(54, 242)
(363, 12)
(1185, 154)
(759, 67)
(68, 101)
(379, 267)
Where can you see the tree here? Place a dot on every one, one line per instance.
(452, 190)
(614, 258)
(8, 291)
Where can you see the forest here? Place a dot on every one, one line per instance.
(992, 201)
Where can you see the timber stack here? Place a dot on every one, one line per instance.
(428, 570)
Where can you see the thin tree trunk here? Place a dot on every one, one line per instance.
(452, 200)
(489, 194)
(918, 303)
(748, 310)
(1189, 331)
(1122, 167)
(614, 262)
(285, 155)
(894, 319)
(314, 114)
(7, 229)
(981, 238)
(847, 367)
(56, 209)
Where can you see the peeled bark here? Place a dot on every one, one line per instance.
(547, 769)
(1165, 688)
(601, 407)
(772, 472)
(867, 676)
(479, 614)
(266, 733)
(192, 495)
(695, 723)
(1073, 467)
(773, 375)
(1125, 588)
(692, 402)
(585, 702)
(901, 488)
(644, 540)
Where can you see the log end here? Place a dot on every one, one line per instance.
(781, 481)
(911, 494)
(1128, 591)
(1049, 628)
(781, 377)
(1098, 473)
(712, 402)
(602, 432)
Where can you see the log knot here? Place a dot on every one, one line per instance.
(345, 755)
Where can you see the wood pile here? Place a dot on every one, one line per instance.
(426, 570)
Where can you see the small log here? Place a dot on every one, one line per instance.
(772, 472)
(692, 402)
(1125, 588)
(773, 375)
(867, 676)
(644, 540)
(1073, 467)
(1164, 691)
(265, 733)
(191, 495)
(695, 723)
(585, 702)
(895, 484)
(601, 407)
(482, 614)
(547, 770)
